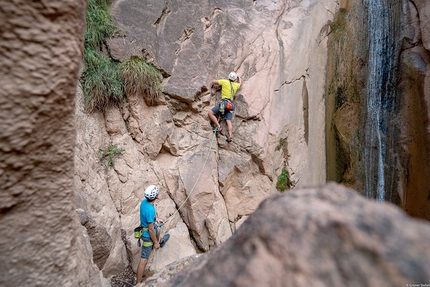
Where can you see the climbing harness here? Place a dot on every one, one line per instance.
(138, 231)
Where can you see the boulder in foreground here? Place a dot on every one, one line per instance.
(322, 236)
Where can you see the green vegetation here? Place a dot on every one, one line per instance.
(141, 78)
(104, 80)
(99, 24)
(110, 152)
(339, 24)
(284, 181)
(101, 81)
(101, 78)
(282, 142)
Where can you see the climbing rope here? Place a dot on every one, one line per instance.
(198, 179)
(186, 199)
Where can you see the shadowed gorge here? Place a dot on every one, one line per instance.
(377, 117)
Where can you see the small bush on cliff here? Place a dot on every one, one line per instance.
(110, 152)
(101, 81)
(101, 78)
(141, 78)
(99, 24)
(284, 181)
(281, 144)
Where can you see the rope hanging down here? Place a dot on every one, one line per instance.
(186, 199)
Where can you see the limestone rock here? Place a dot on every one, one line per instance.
(424, 15)
(41, 242)
(413, 136)
(100, 239)
(179, 246)
(346, 122)
(322, 236)
(174, 269)
(96, 183)
(203, 45)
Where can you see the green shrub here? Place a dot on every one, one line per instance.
(141, 78)
(101, 78)
(284, 181)
(99, 24)
(101, 81)
(338, 26)
(282, 142)
(110, 152)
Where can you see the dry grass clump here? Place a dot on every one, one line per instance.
(103, 80)
(141, 78)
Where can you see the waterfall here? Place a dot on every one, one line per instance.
(380, 106)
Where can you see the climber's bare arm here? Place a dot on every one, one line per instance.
(215, 82)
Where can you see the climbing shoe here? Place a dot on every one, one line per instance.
(164, 240)
(229, 140)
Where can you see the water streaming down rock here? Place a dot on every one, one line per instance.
(380, 105)
(377, 99)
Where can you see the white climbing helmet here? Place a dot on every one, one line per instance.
(232, 76)
(151, 192)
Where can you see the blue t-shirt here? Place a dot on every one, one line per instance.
(147, 215)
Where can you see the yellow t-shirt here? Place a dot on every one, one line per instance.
(226, 89)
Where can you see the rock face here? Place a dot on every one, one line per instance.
(324, 236)
(279, 49)
(41, 242)
(414, 138)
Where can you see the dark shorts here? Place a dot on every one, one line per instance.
(228, 115)
(146, 251)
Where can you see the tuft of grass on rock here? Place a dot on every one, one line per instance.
(111, 151)
(282, 143)
(141, 78)
(284, 181)
(99, 25)
(101, 77)
(101, 82)
(105, 81)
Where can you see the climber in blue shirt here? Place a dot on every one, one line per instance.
(150, 236)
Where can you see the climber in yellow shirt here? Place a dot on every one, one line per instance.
(226, 107)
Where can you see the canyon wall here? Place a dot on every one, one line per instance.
(41, 242)
(280, 51)
(377, 102)
(67, 217)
